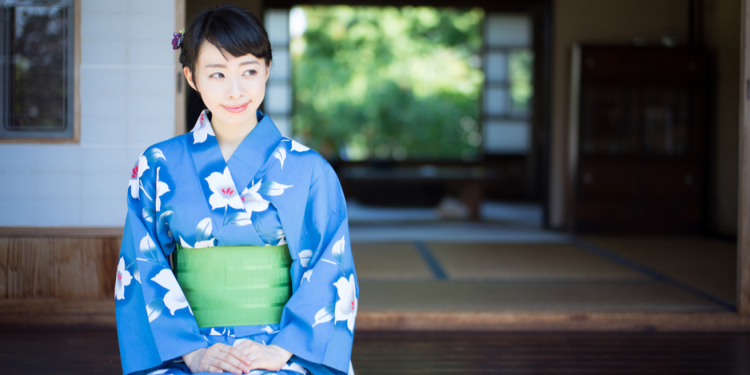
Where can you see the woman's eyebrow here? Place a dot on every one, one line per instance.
(224, 66)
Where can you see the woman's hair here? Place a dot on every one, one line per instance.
(229, 28)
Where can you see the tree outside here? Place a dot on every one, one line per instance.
(387, 83)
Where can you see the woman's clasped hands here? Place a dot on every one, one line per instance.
(242, 358)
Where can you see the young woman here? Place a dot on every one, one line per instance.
(236, 254)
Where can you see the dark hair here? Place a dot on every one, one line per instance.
(229, 28)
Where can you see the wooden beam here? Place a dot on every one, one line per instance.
(51, 312)
(743, 259)
(115, 232)
(536, 321)
(4, 246)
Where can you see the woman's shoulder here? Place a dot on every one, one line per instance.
(163, 154)
(293, 147)
(308, 156)
(171, 145)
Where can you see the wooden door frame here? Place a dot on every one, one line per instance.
(743, 220)
(180, 82)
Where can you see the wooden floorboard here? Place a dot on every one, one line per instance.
(96, 352)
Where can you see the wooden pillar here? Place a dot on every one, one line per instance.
(181, 85)
(743, 261)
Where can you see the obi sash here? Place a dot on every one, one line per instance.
(235, 285)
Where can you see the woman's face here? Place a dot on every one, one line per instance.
(231, 87)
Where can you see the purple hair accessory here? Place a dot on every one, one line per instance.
(177, 39)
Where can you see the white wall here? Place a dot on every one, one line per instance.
(127, 103)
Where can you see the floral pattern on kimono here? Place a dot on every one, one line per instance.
(272, 191)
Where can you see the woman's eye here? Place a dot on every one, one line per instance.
(250, 72)
(217, 75)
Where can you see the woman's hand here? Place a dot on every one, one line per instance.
(264, 357)
(217, 358)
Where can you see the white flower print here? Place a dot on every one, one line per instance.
(273, 188)
(224, 193)
(203, 237)
(306, 275)
(304, 257)
(202, 129)
(296, 146)
(135, 176)
(252, 200)
(123, 279)
(299, 147)
(269, 330)
(346, 307)
(174, 299)
(280, 153)
(198, 244)
(161, 188)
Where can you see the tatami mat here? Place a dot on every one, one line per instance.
(707, 264)
(644, 296)
(389, 261)
(590, 274)
(513, 261)
(454, 232)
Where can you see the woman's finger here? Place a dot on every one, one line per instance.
(256, 354)
(259, 364)
(247, 347)
(232, 360)
(224, 366)
(246, 344)
(235, 353)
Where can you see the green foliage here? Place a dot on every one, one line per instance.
(520, 71)
(373, 82)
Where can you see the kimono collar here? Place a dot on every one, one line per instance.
(254, 150)
(249, 156)
(246, 161)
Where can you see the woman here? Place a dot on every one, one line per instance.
(235, 256)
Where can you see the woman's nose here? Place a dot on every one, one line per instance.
(235, 89)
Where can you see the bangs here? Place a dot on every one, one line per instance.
(229, 28)
(237, 35)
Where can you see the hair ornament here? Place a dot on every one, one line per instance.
(177, 39)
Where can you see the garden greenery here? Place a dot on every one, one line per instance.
(388, 83)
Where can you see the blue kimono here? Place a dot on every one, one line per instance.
(272, 191)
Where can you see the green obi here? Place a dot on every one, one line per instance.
(235, 285)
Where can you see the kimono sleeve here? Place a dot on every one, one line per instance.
(317, 324)
(154, 322)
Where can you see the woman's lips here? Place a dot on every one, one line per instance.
(236, 109)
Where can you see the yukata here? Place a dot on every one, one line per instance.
(272, 191)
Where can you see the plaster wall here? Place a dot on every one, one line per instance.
(127, 103)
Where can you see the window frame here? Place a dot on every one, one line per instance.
(72, 132)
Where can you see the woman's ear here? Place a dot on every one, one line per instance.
(268, 70)
(189, 77)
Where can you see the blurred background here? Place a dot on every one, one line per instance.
(543, 157)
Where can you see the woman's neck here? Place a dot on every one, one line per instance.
(229, 137)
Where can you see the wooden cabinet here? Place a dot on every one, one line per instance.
(638, 136)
